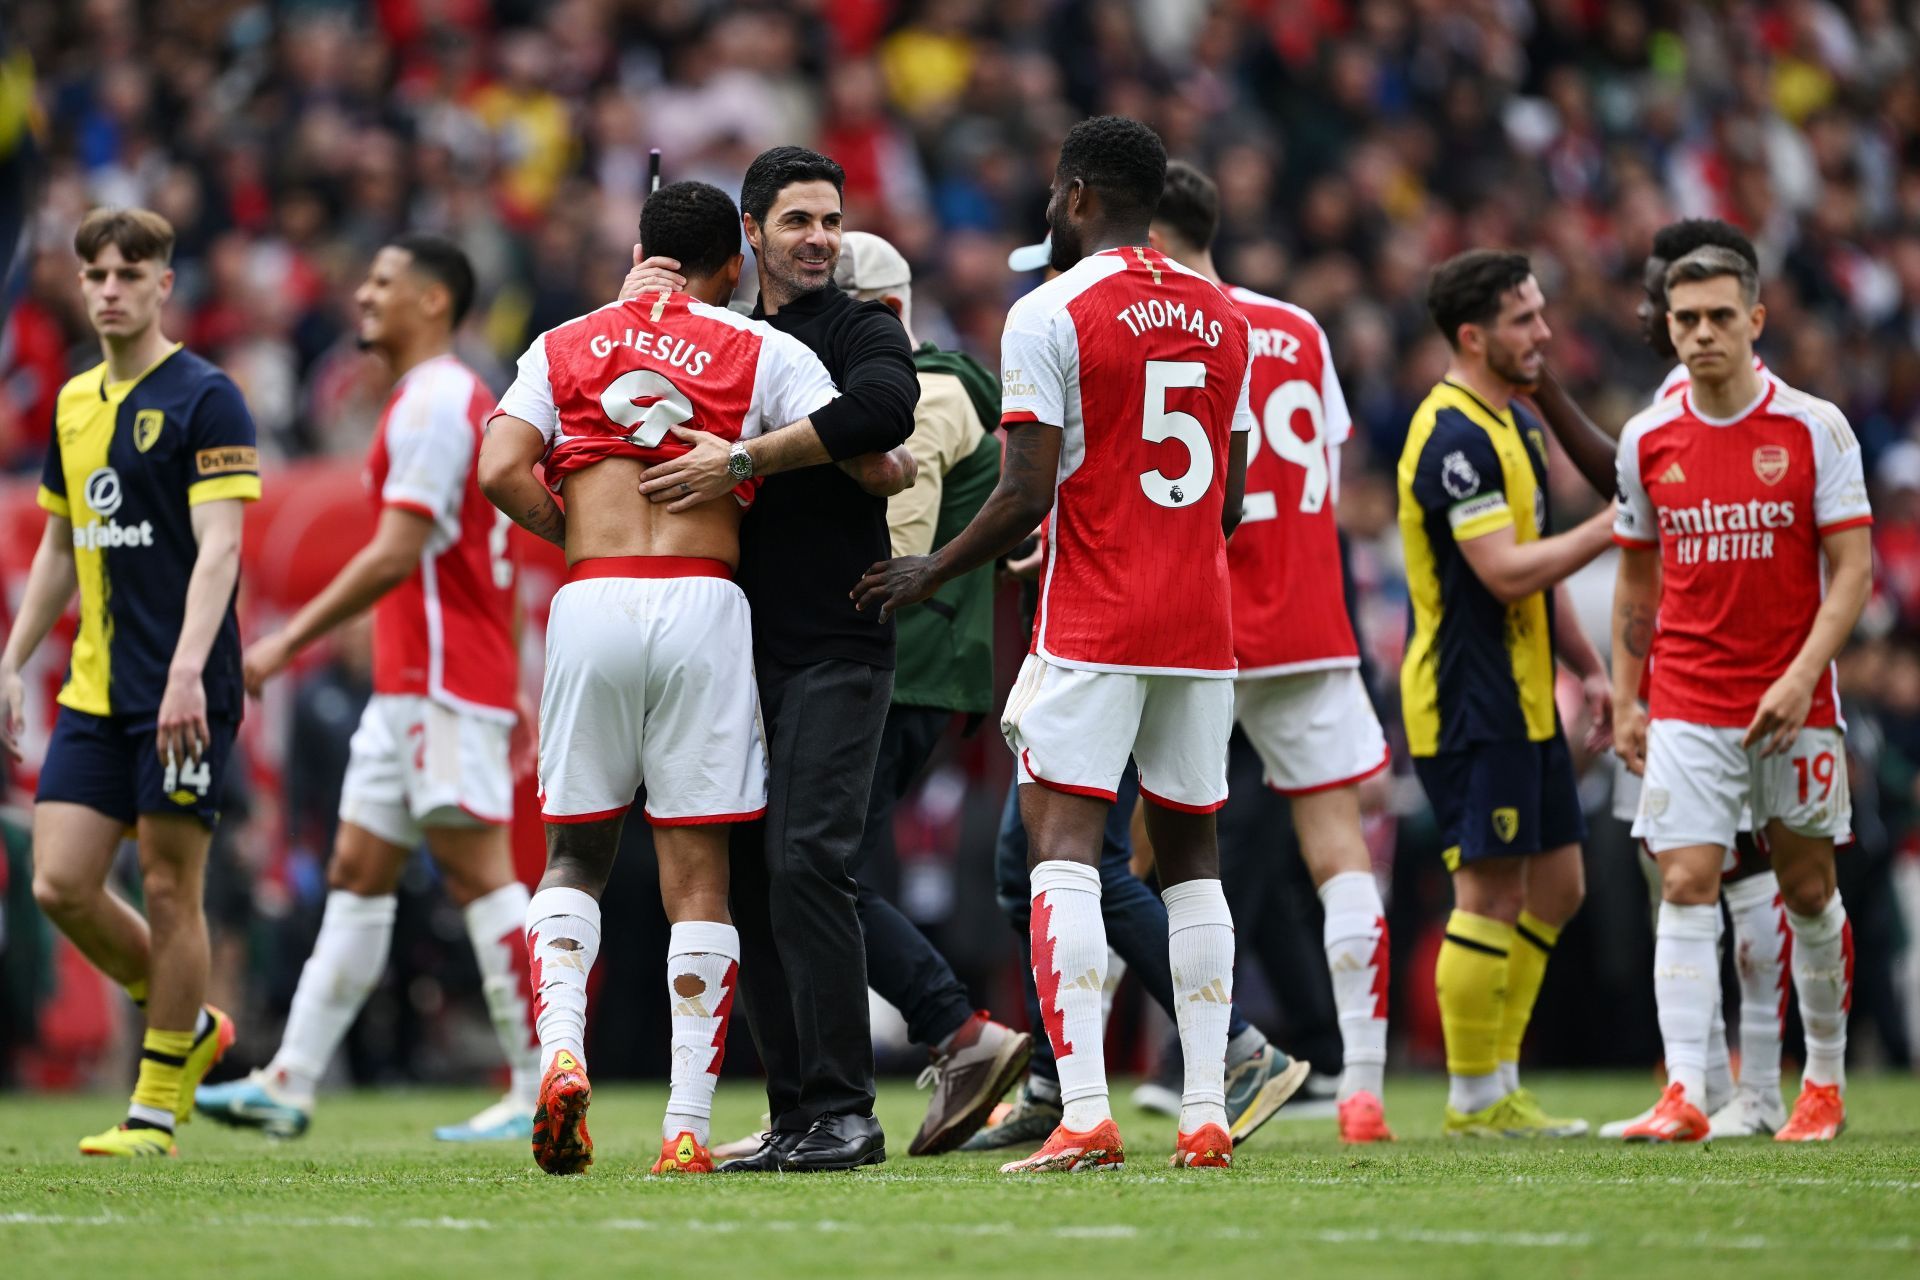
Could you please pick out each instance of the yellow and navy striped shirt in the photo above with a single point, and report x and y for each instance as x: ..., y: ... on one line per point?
x: 1476, y: 670
x: 127, y: 462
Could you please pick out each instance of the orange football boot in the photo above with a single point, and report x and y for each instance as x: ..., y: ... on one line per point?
x: 1363, y: 1119
x: 1818, y: 1115
x: 560, y: 1140
x: 1068, y: 1152
x: 1673, y: 1119
x: 683, y: 1154
x: 1208, y: 1147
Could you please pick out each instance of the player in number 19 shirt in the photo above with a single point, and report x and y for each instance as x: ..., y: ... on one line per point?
x: 1299, y: 698
x: 1742, y: 485
x: 1102, y: 368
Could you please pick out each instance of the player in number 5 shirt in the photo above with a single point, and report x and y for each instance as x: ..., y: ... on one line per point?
x: 1741, y: 485
x: 1124, y: 398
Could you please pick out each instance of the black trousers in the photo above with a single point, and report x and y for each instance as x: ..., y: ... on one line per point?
x: 803, y: 964
x: 902, y: 964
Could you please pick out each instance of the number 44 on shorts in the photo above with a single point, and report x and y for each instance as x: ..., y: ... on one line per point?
x: 194, y: 774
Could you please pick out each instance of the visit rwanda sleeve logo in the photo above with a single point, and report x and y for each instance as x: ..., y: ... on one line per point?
x: 146, y: 428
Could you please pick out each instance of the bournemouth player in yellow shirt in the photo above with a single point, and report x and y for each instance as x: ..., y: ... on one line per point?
x: 151, y: 461
x: 1489, y: 619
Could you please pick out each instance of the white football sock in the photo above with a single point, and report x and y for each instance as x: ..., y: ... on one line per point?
x: 1247, y: 1044
x: 563, y: 941
x: 1069, y: 941
x: 1200, y: 951
x: 1507, y: 1075
x: 1468, y: 1094
x: 348, y: 958
x: 1686, y: 975
x: 497, y: 928
x: 703, y: 965
x: 1719, y: 1088
x: 1823, y: 978
x: 1760, y: 947
x: 1356, y: 943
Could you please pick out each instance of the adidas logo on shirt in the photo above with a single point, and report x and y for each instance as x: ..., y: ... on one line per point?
x: 1672, y: 475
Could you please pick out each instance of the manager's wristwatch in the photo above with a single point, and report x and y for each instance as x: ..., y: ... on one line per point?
x: 739, y: 461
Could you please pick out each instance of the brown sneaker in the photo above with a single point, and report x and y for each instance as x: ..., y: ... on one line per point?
x: 981, y: 1064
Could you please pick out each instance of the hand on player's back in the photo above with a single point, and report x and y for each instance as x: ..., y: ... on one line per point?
x: 651, y: 273
x: 696, y: 476
x: 892, y: 585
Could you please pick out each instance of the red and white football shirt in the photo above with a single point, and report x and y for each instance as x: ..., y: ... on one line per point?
x: 446, y: 633
x: 1289, y: 610
x: 614, y: 382
x: 1737, y: 508
x: 1143, y: 364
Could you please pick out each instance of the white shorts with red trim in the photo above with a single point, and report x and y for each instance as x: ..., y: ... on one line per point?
x: 1703, y: 787
x: 414, y: 764
x: 1314, y: 730
x: 1072, y: 730
x: 650, y: 682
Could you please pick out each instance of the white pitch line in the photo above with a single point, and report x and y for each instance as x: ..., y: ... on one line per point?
x: 1568, y: 1240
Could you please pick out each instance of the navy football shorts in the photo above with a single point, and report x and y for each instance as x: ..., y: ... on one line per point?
x: 1504, y: 799
x: 108, y: 763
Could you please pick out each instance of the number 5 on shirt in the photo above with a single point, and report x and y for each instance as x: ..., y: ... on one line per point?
x: 1159, y: 423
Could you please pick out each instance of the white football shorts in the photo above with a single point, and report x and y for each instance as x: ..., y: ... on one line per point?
x: 1072, y: 730
x: 414, y: 764
x: 650, y: 682
x: 1314, y: 730
x: 1702, y: 786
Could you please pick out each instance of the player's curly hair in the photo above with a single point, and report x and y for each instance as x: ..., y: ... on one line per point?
x: 778, y: 168
x: 1189, y: 205
x: 1467, y: 288
x: 1678, y: 239
x: 694, y: 222
x: 1122, y: 159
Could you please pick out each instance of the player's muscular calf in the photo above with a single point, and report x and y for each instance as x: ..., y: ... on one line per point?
x: 1060, y: 826
x: 580, y: 855
x: 1185, y: 846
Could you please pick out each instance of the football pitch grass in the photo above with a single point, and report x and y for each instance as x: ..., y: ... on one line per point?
x: 368, y: 1193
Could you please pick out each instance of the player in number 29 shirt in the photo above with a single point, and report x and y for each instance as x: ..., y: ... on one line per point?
x: 1299, y: 698
x: 1124, y: 397
x: 1741, y: 485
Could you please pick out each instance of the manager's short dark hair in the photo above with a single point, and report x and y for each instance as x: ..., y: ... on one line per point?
x: 443, y: 262
x: 776, y: 169
x: 1122, y: 159
x: 1467, y: 288
x: 1189, y: 205
x: 694, y: 222
x: 1678, y: 239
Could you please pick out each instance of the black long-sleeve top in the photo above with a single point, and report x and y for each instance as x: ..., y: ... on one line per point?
x: 811, y: 533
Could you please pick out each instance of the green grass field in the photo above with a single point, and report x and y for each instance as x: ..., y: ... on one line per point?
x: 368, y: 1193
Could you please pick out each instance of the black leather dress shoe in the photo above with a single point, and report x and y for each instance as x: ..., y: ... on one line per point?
x: 836, y: 1143
x: 768, y: 1158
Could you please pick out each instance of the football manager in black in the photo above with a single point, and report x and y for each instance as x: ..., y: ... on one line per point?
x: 825, y: 670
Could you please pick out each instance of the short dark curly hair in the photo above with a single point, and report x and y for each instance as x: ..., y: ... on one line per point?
x: 1466, y: 288
x: 1189, y: 205
x: 444, y: 262
x: 1678, y: 239
x: 776, y: 169
x: 1122, y: 159
x: 694, y: 222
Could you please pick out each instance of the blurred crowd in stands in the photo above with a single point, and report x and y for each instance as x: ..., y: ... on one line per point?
x: 1355, y: 144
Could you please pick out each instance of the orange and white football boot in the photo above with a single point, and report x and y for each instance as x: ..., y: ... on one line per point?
x: 561, y: 1143
x: 1208, y: 1147
x: 1818, y: 1115
x: 1674, y: 1119
x: 1066, y: 1151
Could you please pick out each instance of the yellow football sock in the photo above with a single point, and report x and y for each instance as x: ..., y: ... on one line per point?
x: 163, y: 1054
x: 137, y: 992
x: 1471, y: 982
x: 1533, y: 942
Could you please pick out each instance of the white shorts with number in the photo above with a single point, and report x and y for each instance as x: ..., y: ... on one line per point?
x: 1072, y: 730
x: 1701, y: 785
x: 650, y: 682
x: 414, y: 764
x: 1314, y: 730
